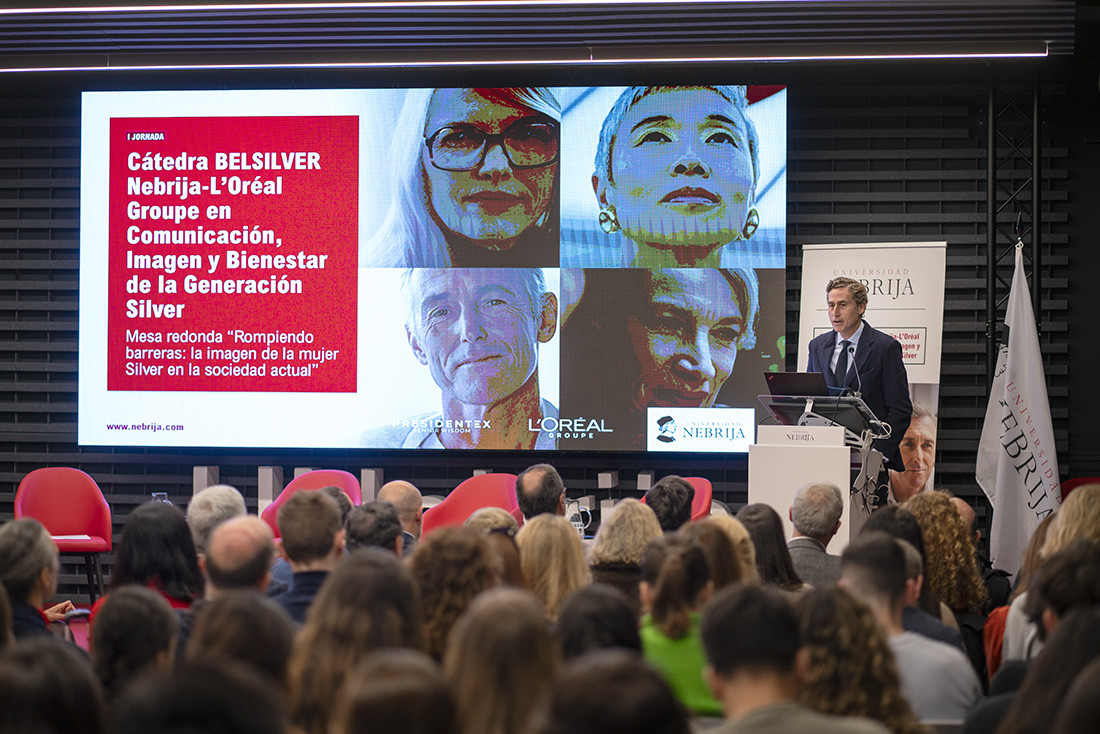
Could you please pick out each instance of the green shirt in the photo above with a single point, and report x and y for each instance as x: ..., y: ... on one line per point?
x: 681, y: 662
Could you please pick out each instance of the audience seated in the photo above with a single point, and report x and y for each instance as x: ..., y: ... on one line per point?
x: 500, y: 662
x: 28, y: 573
x: 936, y: 678
x: 48, y: 687
x: 1078, y: 517
x: 134, y: 634
x: 539, y: 490
x: 500, y: 528
x: 674, y: 587
x: 248, y: 628
x: 851, y: 670
x: 615, y: 557
x: 633, y: 697
x: 220, y: 698
x: 369, y: 602
x: 281, y: 573
x: 1081, y: 706
x: 209, y: 508
x: 670, y: 499
x: 395, y: 691
x: 313, y: 544
x: 451, y: 566
x: 374, y: 525
x: 773, y: 560
x: 815, y: 514
x: 552, y: 557
x: 997, y: 582
x: 722, y: 563
x: 755, y: 668
x: 7, y: 638
x: 596, y: 617
x: 742, y: 545
x: 156, y: 551
x: 916, y: 620
x: 409, y: 504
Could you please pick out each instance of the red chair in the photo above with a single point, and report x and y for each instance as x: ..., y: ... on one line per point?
x: 317, y: 479
x: 1071, y: 484
x: 483, y: 490
x: 71, y: 507
x: 700, y: 501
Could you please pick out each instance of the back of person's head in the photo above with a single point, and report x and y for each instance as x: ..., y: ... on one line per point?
x: 368, y: 603
x: 239, y: 554
x: 633, y: 697
x: 1070, y: 578
x: 1074, y: 644
x: 156, y: 549
x: 395, y: 691
x: 914, y: 564
x: 7, y: 636
x: 211, y: 507
x: 773, y: 559
x: 25, y: 550
x: 742, y: 545
x: 873, y: 568
x: 373, y: 525
x: 539, y: 490
x: 951, y: 569
x: 451, y: 566
x: 405, y: 497
x: 718, y: 549
x: 341, y: 499
x: 134, y: 633
x: 246, y: 627
x: 896, y: 521
x: 816, y: 509
x: 850, y: 669
x: 674, y: 569
x: 551, y: 554
x: 500, y: 661
x: 596, y: 617
x: 487, y: 519
x: 1078, y: 517
x: 1032, y: 560
x: 47, y: 687
x: 624, y: 534
x: 1080, y: 709
x: 308, y: 523
x: 670, y: 499
x: 748, y: 628
x: 212, y: 698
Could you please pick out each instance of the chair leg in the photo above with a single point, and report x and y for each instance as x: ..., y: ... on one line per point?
x: 90, y: 575
x: 99, y: 576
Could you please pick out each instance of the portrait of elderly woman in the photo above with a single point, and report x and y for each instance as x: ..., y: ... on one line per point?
x: 638, y: 339
x: 679, y: 180
x: 476, y: 181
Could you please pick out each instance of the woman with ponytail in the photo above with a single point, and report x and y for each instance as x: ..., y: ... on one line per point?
x: 675, y: 586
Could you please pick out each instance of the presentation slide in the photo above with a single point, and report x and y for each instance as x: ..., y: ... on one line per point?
x: 586, y: 268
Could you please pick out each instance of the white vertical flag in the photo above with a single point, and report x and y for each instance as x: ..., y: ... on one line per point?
x: 1017, y: 465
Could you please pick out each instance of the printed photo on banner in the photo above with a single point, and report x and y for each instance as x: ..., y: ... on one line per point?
x: 465, y: 177
x: 636, y: 339
x: 459, y: 358
x: 674, y: 177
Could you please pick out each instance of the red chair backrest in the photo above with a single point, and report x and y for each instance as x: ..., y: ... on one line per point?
x: 1071, y: 484
x: 316, y: 479
x: 66, y: 501
x: 483, y: 490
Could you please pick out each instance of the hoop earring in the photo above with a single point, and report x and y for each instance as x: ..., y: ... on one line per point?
x: 751, y: 224
x: 608, y: 222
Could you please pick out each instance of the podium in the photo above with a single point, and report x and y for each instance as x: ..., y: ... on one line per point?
x: 814, y: 438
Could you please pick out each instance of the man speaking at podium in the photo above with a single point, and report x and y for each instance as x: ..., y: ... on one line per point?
x: 864, y: 362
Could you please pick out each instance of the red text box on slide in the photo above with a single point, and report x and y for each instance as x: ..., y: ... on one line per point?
x: 233, y: 254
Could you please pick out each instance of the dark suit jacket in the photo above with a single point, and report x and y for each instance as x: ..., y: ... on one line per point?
x: 299, y: 596
x: 881, y: 380
x: 813, y: 564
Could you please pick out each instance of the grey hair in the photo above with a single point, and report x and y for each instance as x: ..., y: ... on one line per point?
x: 409, y: 235
x: 734, y: 94
x: 746, y: 291
x: 920, y: 410
x: 817, y: 508
x: 210, y: 508
x: 532, y: 280
x: 25, y: 549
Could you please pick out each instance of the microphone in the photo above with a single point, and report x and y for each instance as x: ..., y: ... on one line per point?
x: 855, y: 368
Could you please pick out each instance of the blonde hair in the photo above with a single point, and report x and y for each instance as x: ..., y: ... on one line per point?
x: 742, y: 545
x: 1078, y: 517
x: 623, y: 536
x: 552, y: 557
x: 851, y: 670
x: 501, y: 662
x: 488, y: 519
x: 951, y: 562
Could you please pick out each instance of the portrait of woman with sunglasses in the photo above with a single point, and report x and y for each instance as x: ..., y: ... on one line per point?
x: 476, y: 181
